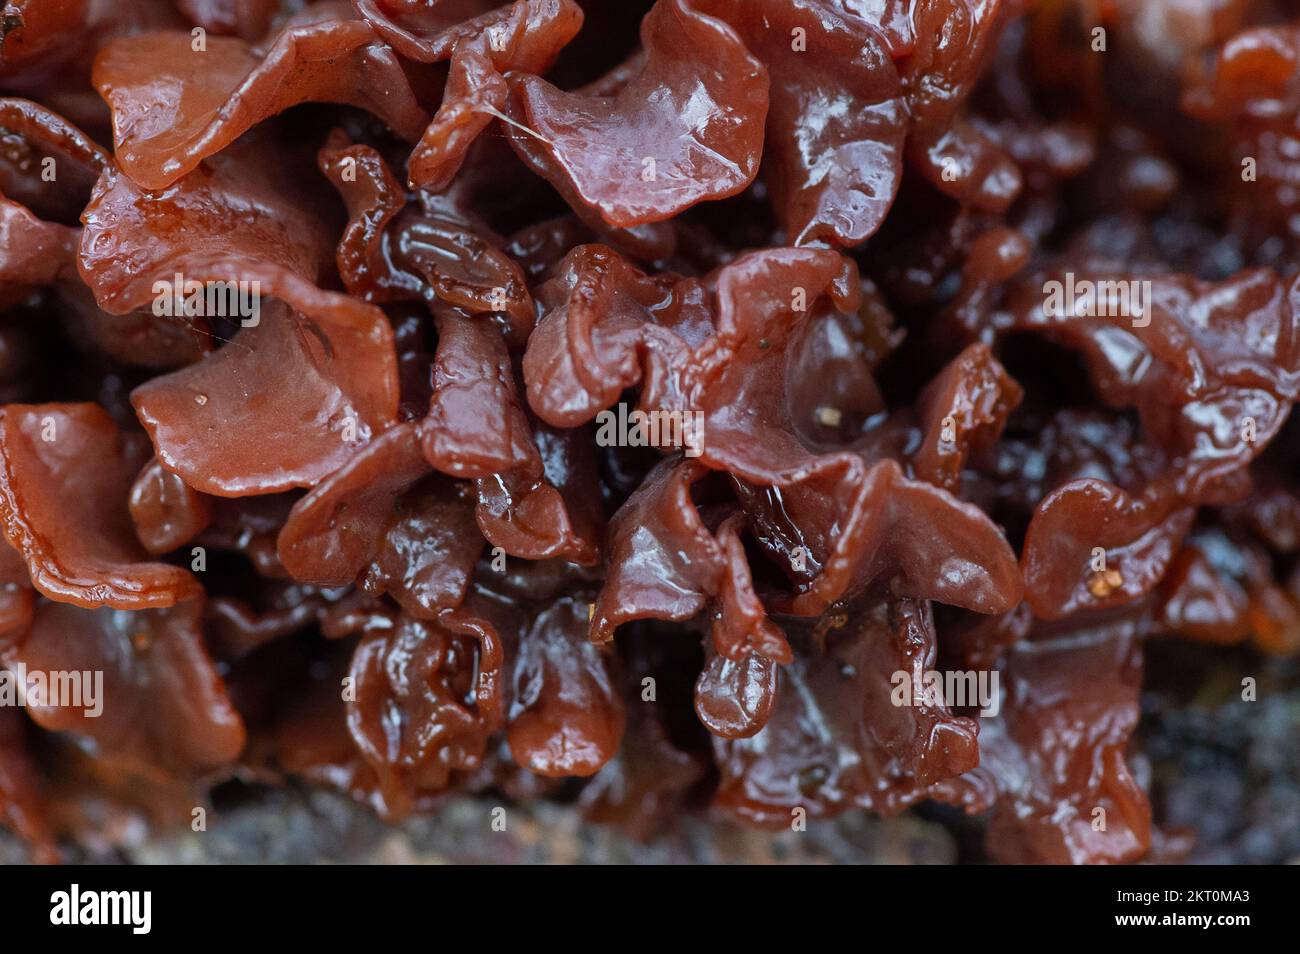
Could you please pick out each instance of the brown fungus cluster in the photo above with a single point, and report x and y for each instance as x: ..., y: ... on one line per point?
x: 623, y: 401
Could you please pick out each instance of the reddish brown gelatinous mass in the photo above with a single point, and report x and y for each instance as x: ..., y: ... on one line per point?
x: 669, y: 396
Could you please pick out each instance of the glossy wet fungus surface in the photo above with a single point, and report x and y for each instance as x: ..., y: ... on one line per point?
x: 728, y: 409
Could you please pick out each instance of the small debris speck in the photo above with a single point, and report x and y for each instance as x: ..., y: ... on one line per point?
x: 829, y: 416
x: 1104, y: 582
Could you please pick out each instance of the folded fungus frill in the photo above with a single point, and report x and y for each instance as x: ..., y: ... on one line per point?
x: 666, y: 403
